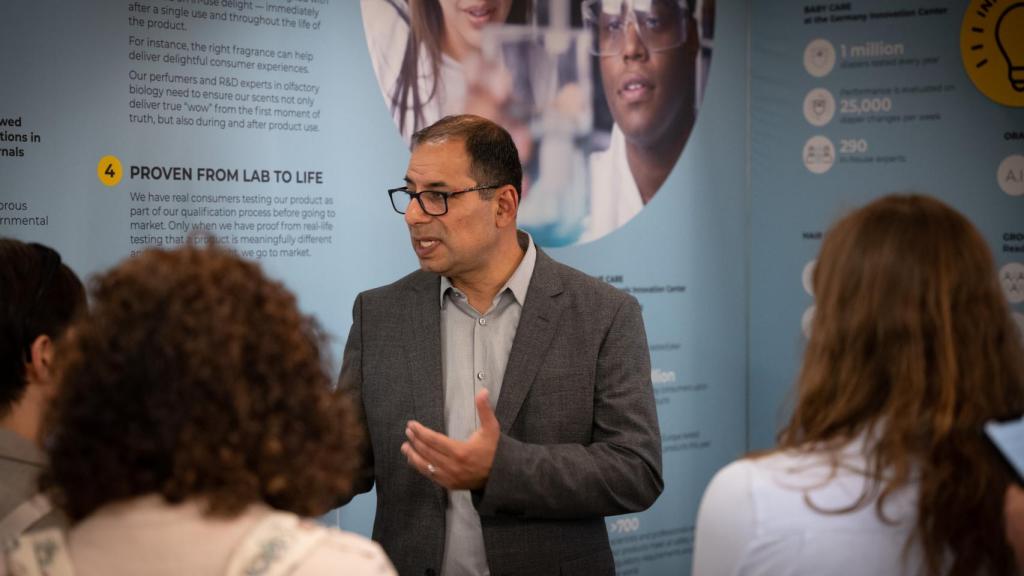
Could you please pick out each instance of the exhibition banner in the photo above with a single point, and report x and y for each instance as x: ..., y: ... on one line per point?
x: 853, y: 100
x: 275, y: 127
x: 694, y: 164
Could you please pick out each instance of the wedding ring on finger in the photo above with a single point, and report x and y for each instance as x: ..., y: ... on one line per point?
x: 431, y: 469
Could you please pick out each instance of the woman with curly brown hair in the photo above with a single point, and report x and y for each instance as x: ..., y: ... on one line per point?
x: 196, y: 423
x: 883, y: 467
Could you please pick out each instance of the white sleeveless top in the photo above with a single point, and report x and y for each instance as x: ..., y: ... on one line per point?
x: 757, y: 518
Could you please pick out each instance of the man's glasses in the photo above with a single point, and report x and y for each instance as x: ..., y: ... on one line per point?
x: 432, y: 202
x: 660, y: 24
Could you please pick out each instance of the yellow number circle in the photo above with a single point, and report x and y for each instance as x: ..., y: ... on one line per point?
x: 992, y: 49
x: 109, y: 170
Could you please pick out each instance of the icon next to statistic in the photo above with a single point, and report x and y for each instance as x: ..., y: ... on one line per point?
x: 992, y: 49
x: 819, y: 154
x: 1011, y: 277
x: 1011, y: 175
x: 807, y: 277
x: 807, y: 321
x: 819, y: 57
x: 819, y: 107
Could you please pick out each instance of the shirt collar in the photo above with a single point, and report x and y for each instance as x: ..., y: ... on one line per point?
x: 14, y: 447
x: 519, y: 282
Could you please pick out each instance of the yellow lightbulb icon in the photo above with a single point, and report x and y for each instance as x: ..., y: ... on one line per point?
x: 1010, y: 39
x: 992, y: 32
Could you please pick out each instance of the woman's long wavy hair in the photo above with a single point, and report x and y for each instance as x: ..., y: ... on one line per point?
x: 913, y: 341
x: 426, y: 35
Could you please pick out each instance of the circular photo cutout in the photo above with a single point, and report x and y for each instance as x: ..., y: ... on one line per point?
x: 600, y: 95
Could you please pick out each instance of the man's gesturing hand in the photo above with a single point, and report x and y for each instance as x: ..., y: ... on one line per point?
x: 450, y: 463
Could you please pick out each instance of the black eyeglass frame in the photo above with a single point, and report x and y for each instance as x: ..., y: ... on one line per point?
x: 444, y: 196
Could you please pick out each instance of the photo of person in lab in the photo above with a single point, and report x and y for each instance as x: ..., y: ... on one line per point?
x: 600, y: 96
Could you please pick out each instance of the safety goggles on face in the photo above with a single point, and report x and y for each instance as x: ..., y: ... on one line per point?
x: 660, y: 24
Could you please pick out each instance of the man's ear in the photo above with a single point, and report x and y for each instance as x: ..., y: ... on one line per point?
x: 38, y: 367
x: 508, y: 205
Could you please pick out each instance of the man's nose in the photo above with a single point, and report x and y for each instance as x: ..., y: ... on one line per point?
x: 414, y: 213
x: 633, y: 47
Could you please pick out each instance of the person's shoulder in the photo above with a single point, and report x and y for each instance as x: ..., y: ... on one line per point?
x: 412, y: 282
x: 749, y: 482
x: 358, y: 555
x: 779, y: 469
x: 726, y: 521
x: 735, y: 477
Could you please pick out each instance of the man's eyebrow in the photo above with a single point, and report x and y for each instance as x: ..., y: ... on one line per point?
x: 431, y: 185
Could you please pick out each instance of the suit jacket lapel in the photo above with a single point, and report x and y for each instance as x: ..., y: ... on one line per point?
x: 423, y: 352
x: 533, y: 337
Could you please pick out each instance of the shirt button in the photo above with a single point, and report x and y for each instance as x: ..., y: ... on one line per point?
x: 482, y: 321
x: 481, y: 375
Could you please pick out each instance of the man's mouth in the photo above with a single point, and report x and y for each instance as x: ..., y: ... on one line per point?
x: 424, y: 246
x: 635, y: 89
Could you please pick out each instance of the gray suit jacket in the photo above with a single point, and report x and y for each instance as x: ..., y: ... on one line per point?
x: 579, y: 441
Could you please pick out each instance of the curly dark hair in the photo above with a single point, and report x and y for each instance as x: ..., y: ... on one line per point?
x: 39, y: 295
x: 195, y: 376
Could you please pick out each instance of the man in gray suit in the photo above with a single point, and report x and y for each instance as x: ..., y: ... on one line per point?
x: 506, y: 397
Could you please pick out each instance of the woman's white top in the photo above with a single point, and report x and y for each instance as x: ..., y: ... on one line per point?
x: 768, y: 516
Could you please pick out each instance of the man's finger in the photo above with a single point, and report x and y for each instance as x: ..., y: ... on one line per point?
x: 421, y: 464
x: 483, y: 409
x: 425, y: 450
x: 439, y: 442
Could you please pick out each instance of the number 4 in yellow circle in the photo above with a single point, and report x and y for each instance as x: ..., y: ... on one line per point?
x: 109, y: 170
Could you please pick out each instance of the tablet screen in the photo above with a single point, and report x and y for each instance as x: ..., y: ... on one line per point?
x: 1009, y: 439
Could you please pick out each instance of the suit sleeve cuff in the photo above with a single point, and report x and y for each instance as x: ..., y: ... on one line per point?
x: 489, y: 500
